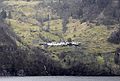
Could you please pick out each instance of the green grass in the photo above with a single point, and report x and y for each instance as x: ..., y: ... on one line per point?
x: 55, y: 25
x: 100, y: 60
x: 28, y: 32
x: 59, y: 49
x: 94, y: 38
x: 21, y: 3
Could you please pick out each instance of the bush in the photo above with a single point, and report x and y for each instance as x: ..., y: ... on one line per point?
x: 115, y: 37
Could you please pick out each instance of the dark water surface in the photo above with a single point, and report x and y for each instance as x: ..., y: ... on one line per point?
x: 53, y: 78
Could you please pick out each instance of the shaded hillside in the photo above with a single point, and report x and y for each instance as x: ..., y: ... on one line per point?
x: 101, y: 11
x: 6, y: 36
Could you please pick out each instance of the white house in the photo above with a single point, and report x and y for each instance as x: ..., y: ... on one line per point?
x: 61, y: 44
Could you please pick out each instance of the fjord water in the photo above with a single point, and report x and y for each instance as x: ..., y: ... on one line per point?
x: 58, y: 78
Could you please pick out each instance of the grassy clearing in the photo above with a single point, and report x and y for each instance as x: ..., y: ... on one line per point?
x: 21, y: 3
x: 55, y: 25
x: 24, y: 30
x: 94, y: 38
x: 28, y: 32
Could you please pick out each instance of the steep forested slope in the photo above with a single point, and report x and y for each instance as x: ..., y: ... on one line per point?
x: 6, y: 36
x: 90, y: 22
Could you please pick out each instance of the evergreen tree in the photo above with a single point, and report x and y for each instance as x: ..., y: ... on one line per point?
x: 9, y: 15
x: 3, y: 14
x: 48, y: 28
x: 69, y: 40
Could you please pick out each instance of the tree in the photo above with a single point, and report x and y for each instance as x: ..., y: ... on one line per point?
x: 115, y: 37
x: 3, y: 14
x: 64, y: 23
x: 69, y: 40
x: 48, y: 23
x: 117, y: 56
x: 9, y: 15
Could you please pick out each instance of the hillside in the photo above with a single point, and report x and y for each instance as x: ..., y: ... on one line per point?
x: 6, y: 35
x: 90, y: 22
